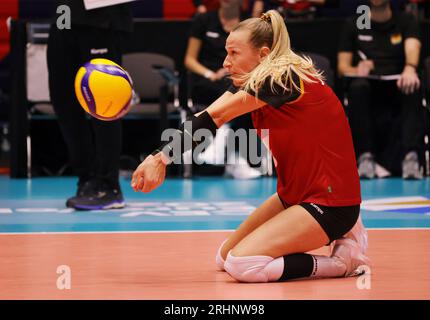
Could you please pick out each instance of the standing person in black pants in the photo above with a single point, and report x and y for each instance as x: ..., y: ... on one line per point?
x: 94, y: 146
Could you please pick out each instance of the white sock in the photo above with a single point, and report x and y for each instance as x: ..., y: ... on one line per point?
x: 327, y: 267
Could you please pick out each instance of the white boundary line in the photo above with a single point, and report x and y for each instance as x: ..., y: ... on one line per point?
x: 171, y: 231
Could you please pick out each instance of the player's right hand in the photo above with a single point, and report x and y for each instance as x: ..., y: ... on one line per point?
x: 150, y: 174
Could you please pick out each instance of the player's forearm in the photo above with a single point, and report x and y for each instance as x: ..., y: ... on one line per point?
x: 230, y: 106
x: 184, y: 139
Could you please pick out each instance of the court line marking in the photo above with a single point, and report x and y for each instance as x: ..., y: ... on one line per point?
x: 171, y: 231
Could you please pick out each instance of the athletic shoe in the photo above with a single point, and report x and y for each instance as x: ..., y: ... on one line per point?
x: 240, y: 169
x: 366, y: 166
x: 349, y: 253
x: 411, y: 167
x: 103, y: 199
x: 381, y: 172
x: 84, y: 190
x: 215, y: 152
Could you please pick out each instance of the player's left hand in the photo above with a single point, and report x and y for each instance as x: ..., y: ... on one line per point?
x: 409, y: 81
x: 150, y: 174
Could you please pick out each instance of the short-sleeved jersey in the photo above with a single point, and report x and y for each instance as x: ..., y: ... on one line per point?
x: 383, y: 42
x: 310, y: 140
x: 207, y: 27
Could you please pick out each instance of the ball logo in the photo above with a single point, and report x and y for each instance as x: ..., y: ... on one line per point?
x: 87, y: 96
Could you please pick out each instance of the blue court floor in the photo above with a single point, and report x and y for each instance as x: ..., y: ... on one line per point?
x: 38, y: 205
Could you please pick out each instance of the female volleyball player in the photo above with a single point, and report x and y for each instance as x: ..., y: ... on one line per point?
x: 318, y: 193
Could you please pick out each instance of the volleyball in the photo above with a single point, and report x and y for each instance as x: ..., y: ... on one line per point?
x: 103, y: 89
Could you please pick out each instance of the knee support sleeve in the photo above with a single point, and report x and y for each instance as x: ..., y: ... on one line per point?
x: 219, y: 261
x: 254, y: 268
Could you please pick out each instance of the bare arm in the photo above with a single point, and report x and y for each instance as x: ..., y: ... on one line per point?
x: 192, y: 63
x: 230, y: 106
x: 150, y: 174
x: 258, y: 8
x: 409, y: 80
x: 222, y: 99
x: 191, y: 57
x: 412, y: 51
x: 344, y: 63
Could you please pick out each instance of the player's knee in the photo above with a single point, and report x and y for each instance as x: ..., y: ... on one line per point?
x: 249, y: 268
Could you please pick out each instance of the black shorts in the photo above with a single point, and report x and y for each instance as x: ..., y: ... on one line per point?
x: 335, y: 221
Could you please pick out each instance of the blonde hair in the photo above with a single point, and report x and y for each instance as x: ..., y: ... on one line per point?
x: 281, y: 63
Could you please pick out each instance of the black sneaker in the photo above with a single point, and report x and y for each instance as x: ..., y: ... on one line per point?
x: 84, y: 190
x: 102, y: 199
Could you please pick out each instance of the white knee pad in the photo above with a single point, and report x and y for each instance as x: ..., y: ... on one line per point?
x: 218, y: 259
x: 254, y: 268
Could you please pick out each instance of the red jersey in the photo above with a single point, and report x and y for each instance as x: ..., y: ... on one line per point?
x: 311, y: 143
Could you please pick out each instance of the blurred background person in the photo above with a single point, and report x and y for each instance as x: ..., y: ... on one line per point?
x: 381, y: 111
x: 94, y: 146
x: 209, y: 79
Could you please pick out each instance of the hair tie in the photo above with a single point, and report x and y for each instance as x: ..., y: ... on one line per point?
x: 266, y: 17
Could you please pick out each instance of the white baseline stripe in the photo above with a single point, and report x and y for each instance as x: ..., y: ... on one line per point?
x: 387, y: 207
x: 394, y: 199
